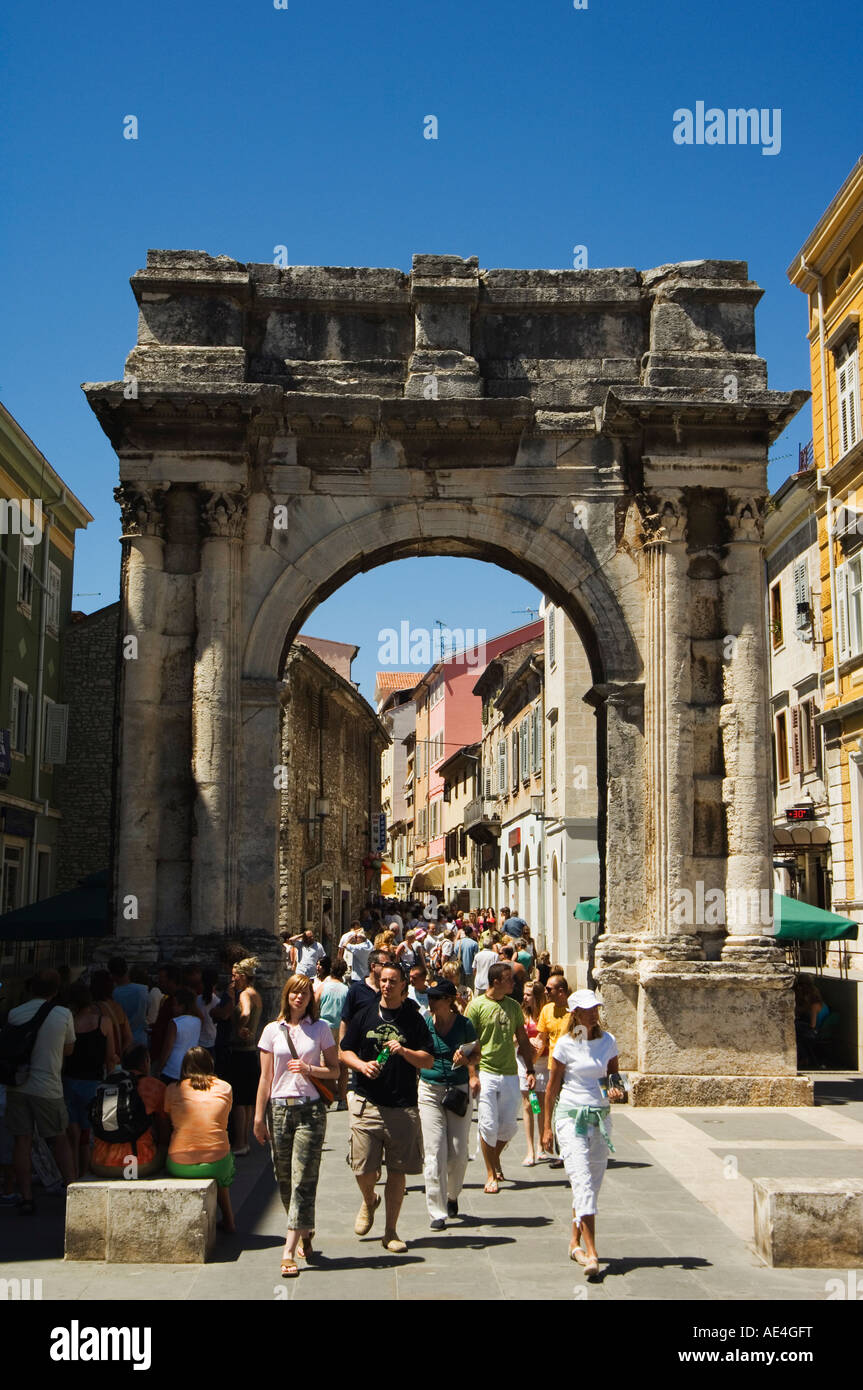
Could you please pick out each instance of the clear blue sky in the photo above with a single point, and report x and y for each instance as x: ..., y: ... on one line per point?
x: 304, y: 127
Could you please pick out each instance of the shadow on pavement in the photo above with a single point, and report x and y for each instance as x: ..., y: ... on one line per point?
x: 228, y: 1249
x: 630, y: 1265
x: 365, y: 1262
x: 457, y: 1242
x: 493, y: 1220
x: 838, y: 1090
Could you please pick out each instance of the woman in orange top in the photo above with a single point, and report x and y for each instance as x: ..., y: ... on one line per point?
x: 199, y: 1106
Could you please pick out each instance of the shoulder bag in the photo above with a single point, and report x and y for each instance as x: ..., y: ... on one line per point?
x: 454, y: 1098
x: 323, y: 1091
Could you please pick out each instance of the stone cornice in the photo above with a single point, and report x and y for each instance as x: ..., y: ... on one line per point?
x: 225, y: 407
x: 630, y: 408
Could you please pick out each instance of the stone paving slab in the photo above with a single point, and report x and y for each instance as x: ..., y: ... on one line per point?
x: 797, y: 1163
x: 728, y: 1128
x: 657, y: 1239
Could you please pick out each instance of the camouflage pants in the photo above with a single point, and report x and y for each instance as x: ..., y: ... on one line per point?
x: 298, y: 1141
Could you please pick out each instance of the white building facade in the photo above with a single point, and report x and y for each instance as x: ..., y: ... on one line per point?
x: 569, y: 827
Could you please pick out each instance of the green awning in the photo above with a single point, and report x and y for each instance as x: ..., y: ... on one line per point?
x: 81, y: 912
x: 799, y: 921
x: 588, y: 911
x: 794, y: 920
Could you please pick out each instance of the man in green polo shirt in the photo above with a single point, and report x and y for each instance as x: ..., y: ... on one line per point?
x: 499, y: 1024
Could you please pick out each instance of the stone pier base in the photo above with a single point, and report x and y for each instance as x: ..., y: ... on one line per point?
x: 696, y: 1032
x: 658, y: 1088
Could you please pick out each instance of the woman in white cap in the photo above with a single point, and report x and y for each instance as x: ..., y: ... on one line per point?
x: 582, y: 1057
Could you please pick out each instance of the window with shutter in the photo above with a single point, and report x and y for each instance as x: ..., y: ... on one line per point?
x: 848, y: 399
x: 501, y: 768
x: 782, y: 747
x: 25, y: 574
x: 552, y: 757
x: 808, y: 736
x: 18, y: 731
x: 52, y: 614
x: 487, y: 780
x: 524, y: 749
x: 513, y: 753
x: 854, y: 606
x: 776, y: 615
x: 840, y: 633
x: 796, y: 760
x: 550, y: 640
x: 803, y: 615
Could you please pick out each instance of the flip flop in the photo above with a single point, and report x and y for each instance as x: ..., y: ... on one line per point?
x: 578, y: 1255
x: 304, y: 1248
x: 528, y: 1163
x: 491, y: 1187
x: 290, y: 1269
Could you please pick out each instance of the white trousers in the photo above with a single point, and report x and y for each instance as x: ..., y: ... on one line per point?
x: 499, y: 1108
x: 585, y: 1158
x: 446, y: 1137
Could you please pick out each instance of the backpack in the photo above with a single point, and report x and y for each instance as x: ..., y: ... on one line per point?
x: 16, y: 1045
x: 117, y: 1113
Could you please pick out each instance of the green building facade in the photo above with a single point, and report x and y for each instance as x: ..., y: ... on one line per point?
x: 39, y: 517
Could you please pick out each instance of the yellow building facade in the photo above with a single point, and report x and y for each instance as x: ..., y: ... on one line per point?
x: 828, y: 269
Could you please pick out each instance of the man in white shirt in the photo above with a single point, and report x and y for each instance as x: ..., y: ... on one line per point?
x: 307, y: 953
x: 482, y: 962
x: 355, y: 948
x: 418, y: 990
x: 37, y: 1103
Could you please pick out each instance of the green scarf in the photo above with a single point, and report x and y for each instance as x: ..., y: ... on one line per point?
x: 587, y: 1115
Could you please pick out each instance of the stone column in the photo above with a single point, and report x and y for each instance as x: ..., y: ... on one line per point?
x: 259, y: 803
x: 715, y: 1032
x: 746, y: 789
x: 668, y: 730
x: 621, y: 825
x: 140, y: 747
x: 216, y: 711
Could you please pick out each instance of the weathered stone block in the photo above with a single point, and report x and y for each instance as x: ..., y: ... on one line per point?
x: 709, y: 1018
x: 676, y: 1090
x: 809, y: 1222
x: 158, y: 1221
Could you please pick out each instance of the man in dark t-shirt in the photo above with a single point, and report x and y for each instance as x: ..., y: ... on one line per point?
x: 385, y: 1125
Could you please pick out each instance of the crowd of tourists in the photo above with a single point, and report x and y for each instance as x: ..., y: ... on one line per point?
x: 409, y: 1023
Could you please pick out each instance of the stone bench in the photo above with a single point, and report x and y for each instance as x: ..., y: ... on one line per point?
x: 147, y: 1221
x: 807, y: 1223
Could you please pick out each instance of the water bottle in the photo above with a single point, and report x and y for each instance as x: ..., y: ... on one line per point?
x: 534, y: 1101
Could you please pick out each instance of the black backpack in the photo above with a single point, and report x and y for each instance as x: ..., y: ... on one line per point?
x: 117, y: 1113
x: 16, y: 1044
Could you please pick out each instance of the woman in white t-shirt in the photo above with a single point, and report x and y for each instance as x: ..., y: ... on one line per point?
x: 583, y: 1057
x: 297, y: 1051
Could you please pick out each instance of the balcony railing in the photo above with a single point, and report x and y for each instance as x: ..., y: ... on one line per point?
x: 480, y: 814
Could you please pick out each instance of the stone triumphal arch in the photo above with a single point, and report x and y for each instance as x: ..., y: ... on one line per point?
x: 604, y: 433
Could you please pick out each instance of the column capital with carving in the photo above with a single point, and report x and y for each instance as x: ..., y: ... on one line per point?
x: 223, y: 512
x: 142, y: 508
x: 745, y: 516
x: 663, y: 517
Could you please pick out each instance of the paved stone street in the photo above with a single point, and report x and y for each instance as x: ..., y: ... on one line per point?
x: 675, y: 1222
